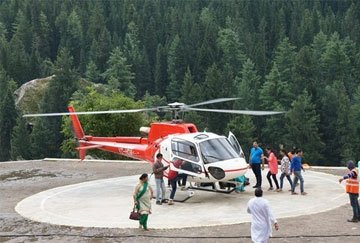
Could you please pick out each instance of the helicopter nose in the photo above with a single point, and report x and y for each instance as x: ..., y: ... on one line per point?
x: 216, y: 172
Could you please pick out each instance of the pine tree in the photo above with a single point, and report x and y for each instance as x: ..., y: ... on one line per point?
x: 92, y: 73
x: 303, y: 128
x: 46, y: 136
x: 18, y: 67
x: 355, y: 125
x: 8, y: 116
x: 190, y: 90
x: 212, y: 90
x: 247, y: 85
x: 230, y: 46
x: 335, y: 119
x: 335, y: 61
x: 74, y: 38
x: 175, y: 69
x: 20, y: 141
x: 119, y: 75
x: 161, y: 78
x: 23, y: 30
x: 4, y: 48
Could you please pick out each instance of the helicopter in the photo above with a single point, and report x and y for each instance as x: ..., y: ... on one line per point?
x: 208, y: 158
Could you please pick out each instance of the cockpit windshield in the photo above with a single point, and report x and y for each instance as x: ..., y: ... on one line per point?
x: 217, y: 149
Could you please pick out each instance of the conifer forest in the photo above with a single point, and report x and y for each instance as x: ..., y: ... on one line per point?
x: 297, y: 56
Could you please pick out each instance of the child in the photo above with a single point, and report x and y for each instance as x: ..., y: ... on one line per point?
x: 242, y: 180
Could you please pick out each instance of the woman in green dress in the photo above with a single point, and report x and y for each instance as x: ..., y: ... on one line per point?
x: 142, y: 199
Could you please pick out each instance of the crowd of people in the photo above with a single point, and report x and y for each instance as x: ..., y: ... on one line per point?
x: 291, y: 167
x: 290, y: 163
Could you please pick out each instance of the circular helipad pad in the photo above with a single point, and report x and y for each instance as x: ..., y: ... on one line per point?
x: 107, y: 203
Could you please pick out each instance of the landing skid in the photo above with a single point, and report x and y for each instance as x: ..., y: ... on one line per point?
x: 231, y: 186
x: 190, y: 195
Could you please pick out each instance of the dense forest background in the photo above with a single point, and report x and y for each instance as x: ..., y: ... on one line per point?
x: 302, y: 57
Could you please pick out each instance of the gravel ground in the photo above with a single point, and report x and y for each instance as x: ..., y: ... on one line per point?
x: 20, y: 180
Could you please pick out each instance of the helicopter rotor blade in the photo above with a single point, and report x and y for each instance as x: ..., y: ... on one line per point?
x: 213, y: 101
x: 90, y: 112
x: 240, y: 112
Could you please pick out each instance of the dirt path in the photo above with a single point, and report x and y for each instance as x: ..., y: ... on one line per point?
x: 20, y: 180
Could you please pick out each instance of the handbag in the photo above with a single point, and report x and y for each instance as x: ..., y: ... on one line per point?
x: 134, y: 215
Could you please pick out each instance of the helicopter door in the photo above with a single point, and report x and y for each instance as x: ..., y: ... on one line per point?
x: 185, y: 158
x: 236, y: 145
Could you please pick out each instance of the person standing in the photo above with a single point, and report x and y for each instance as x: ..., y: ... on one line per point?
x: 262, y: 218
x: 273, y: 169
x: 173, y: 177
x: 158, y: 170
x: 257, y: 163
x: 352, y: 188
x: 296, y: 167
x: 142, y: 200
x: 285, y: 169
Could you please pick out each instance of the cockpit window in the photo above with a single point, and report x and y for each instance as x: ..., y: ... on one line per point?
x: 217, y: 149
x: 184, y: 149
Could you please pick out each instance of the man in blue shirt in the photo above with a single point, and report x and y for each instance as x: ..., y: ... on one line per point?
x: 256, y: 160
x: 296, y: 167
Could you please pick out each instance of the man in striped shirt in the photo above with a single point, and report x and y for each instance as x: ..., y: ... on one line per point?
x: 352, y: 188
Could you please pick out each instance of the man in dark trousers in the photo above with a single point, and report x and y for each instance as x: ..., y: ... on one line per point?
x: 352, y: 188
x: 257, y: 163
x: 158, y: 170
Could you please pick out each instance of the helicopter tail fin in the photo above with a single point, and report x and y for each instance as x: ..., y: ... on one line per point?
x: 79, y: 132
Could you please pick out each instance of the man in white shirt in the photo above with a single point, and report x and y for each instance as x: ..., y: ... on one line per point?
x: 262, y: 218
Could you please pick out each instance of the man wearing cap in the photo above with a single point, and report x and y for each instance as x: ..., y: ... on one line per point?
x: 352, y: 188
x: 262, y: 218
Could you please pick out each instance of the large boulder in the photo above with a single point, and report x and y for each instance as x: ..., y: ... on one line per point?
x: 30, y: 94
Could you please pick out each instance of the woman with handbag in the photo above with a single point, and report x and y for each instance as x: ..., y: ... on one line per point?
x: 142, y: 200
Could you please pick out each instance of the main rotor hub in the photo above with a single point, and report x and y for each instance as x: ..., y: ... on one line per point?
x: 175, y: 109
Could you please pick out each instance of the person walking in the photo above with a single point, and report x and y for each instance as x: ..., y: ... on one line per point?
x: 173, y: 177
x: 142, y: 200
x: 158, y: 170
x: 273, y: 169
x: 292, y: 153
x: 285, y: 169
x: 296, y: 167
x: 352, y: 188
x: 262, y: 218
x: 257, y: 163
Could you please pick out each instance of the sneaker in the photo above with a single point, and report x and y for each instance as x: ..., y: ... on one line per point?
x: 183, y: 188
x: 278, y: 190
x: 270, y: 189
x: 352, y: 220
x: 294, y: 193
x: 171, y: 202
x: 158, y: 203
x: 304, y: 193
x: 164, y: 201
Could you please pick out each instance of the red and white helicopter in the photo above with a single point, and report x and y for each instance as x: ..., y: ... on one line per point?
x: 208, y: 157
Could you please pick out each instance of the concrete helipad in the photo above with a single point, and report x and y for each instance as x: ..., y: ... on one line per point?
x: 107, y: 203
